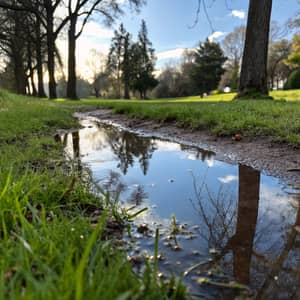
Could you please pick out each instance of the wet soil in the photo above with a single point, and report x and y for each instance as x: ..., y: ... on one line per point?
x: 272, y: 158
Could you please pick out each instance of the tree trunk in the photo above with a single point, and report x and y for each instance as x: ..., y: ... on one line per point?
x: 17, y: 49
x: 242, y: 244
x: 30, y: 68
x: 20, y: 77
x: 71, y: 85
x: 126, y: 90
x: 97, y: 94
x: 253, y: 81
x: 39, y: 60
x: 51, y: 52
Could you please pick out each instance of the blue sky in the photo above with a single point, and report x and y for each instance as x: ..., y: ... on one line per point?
x: 169, y: 24
x: 170, y: 21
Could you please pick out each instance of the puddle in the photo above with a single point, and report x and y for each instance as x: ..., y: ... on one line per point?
x: 219, y: 222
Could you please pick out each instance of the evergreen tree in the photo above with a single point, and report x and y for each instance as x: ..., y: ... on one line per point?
x: 143, y: 61
x: 115, y: 57
x: 126, y: 65
x: 120, y: 62
x: 208, y: 66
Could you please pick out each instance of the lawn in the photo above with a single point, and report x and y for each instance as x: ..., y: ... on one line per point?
x: 50, y: 247
x: 290, y: 95
x: 276, y: 120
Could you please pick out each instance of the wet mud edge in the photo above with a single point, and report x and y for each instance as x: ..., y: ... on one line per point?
x: 275, y: 159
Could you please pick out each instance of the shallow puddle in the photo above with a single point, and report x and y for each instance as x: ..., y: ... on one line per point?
x: 218, y: 222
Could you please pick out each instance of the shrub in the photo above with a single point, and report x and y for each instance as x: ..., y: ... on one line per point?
x: 293, y: 81
x: 215, y: 92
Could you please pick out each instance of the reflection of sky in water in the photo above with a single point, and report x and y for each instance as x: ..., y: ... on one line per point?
x: 184, y: 167
x: 172, y: 172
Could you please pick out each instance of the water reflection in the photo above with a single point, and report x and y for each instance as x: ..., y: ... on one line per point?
x: 247, y: 213
x: 197, y: 153
x: 246, y: 217
x: 283, y: 279
x: 275, y: 273
x: 127, y: 146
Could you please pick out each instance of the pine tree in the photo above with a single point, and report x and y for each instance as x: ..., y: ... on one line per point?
x: 126, y: 65
x: 143, y: 61
x: 208, y: 66
x: 119, y: 60
x: 115, y: 57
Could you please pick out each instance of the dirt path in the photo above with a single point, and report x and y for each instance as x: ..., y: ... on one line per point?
x: 279, y: 160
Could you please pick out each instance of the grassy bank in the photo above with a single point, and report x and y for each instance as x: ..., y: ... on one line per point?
x: 53, y: 230
x: 55, y: 242
x: 275, y: 120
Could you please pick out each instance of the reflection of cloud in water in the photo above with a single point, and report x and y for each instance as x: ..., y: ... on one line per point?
x: 228, y: 179
x: 273, y: 203
x: 167, y: 146
x: 92, y: 139
x: 277, y: 212
x: 210, y: 162
x: 198, y: 155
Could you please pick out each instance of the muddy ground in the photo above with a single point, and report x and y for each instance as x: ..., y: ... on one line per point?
x: 272, y: 158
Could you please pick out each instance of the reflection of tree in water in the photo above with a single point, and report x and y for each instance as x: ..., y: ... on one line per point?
x: 128, y: 146
x: 115, y: 186
x: 138, y: 195
x: 271, y: 276
x: 242, y: 242
x: 76, y: 143
x: 283, y: 279
x: 217, y: 213
x: 199, y: 153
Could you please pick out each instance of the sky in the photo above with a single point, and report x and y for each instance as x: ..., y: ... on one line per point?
x: 170, y: 26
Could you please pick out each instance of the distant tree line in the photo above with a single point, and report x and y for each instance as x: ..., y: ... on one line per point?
x: 212, y: 67
x: 30, y: 29
x: 28, y: 33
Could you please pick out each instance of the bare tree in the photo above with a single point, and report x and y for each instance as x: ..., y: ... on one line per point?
x: 84, y: 9
x: 233, y: 45
x: 44, y: 11
x: 278, y: 52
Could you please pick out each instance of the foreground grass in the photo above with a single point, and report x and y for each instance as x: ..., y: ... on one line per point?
x: 51, y: 247
x: 272, y: 119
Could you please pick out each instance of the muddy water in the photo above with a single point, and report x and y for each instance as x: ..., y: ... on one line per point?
x: 218, y: 222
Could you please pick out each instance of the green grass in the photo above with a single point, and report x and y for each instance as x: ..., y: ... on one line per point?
x: 50, y: 249
x: 273, y: 119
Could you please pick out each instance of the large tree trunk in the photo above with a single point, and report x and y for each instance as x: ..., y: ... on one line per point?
x: 17, y: 54
x: 19, y: 74
x: 253, y: 79
x: 39, y: 60
x: 242, y: 243
x: 71, y: 85
x: 51, y: 52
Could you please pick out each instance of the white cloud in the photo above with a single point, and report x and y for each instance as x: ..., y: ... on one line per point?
x: 228, y: 179
x: 215, y: 35
x: 174, y: 53
x: 238, y: 14
x: 96, y: 30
